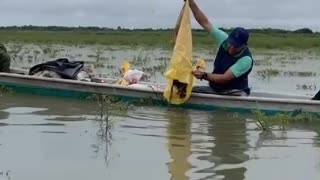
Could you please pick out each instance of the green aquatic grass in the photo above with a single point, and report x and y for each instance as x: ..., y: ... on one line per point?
x: 5, y: 89
x: 282, y: 120
x: 162, y: 39
x: 109, y: 107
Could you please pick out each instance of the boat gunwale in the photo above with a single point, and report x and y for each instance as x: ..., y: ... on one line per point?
x: 152, y: 90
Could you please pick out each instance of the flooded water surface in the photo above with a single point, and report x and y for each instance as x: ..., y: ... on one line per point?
x: 52, y: 138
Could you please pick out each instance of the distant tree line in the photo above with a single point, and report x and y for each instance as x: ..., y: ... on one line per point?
x: 121, y: 29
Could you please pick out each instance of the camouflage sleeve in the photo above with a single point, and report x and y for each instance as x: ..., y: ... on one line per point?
x: 4, y: 62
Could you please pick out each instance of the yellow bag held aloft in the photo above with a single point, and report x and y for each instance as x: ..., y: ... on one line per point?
x: 179, y: 73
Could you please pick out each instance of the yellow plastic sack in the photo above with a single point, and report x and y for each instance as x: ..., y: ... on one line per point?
x: 125, y: 68
x: 179, y: 73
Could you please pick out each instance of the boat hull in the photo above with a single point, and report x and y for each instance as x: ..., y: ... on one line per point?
x: 150, y: 95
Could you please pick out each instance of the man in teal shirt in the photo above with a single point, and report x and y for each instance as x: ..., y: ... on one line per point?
x: 243, y: 64
x: 233, y: 62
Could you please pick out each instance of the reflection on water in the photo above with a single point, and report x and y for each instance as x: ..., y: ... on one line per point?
x: 179, y: 143
x: 51, y: 138
x: 230, y: 145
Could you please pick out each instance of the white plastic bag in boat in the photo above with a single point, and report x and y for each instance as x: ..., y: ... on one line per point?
x: 133, y: 76
x: 152, y: 87
x: 140, y: 86
x: 83, y: 76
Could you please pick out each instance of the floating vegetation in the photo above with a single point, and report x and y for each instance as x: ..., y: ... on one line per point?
x: 109, y: 107
x: 263, y: 61
x: 296, y: 57
x: 111, y: 49
x: 163, y: 58
x: 141, y: 59
x: 161, y: 67
x: 15, y: 50
x: 148, y: 69
x: 150, y: 101
x: 78, y: 55
x: 284, y: 62
x: 267, y: 73
x: 91, y: 56
x: 105, y: 59
x: 30, y: 58
x: 280, y: 58
x: 282, y: 120
x: 98, y: 55
x: 5, y: 89
x: 99, y: 65
x: 312, y: 87
x: 157, y: 68
x: 300, y: 74
x: 49, y: 51
x: 111, y: 66
x: 20, y: 57
x: 36, y: 53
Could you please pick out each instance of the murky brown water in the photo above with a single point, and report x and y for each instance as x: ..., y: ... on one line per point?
x: 51, y: 138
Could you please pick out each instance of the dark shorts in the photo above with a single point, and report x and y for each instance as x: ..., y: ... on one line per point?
x: 209, y: 90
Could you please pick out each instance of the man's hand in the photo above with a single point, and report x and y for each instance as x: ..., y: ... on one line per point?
x: 198, y: 74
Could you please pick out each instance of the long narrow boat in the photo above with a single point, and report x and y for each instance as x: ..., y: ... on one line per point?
x: 145, y: 92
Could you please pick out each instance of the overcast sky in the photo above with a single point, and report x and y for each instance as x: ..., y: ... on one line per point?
x: 287, y: 14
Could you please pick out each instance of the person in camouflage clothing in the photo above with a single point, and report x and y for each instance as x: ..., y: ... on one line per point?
x: 4, y: 59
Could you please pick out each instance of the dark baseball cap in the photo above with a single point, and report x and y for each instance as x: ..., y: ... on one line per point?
x: 238, y: 37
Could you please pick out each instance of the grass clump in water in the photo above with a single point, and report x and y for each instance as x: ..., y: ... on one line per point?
x: 282, y: 120
x: 5, y: 89
x: 108, y: 106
